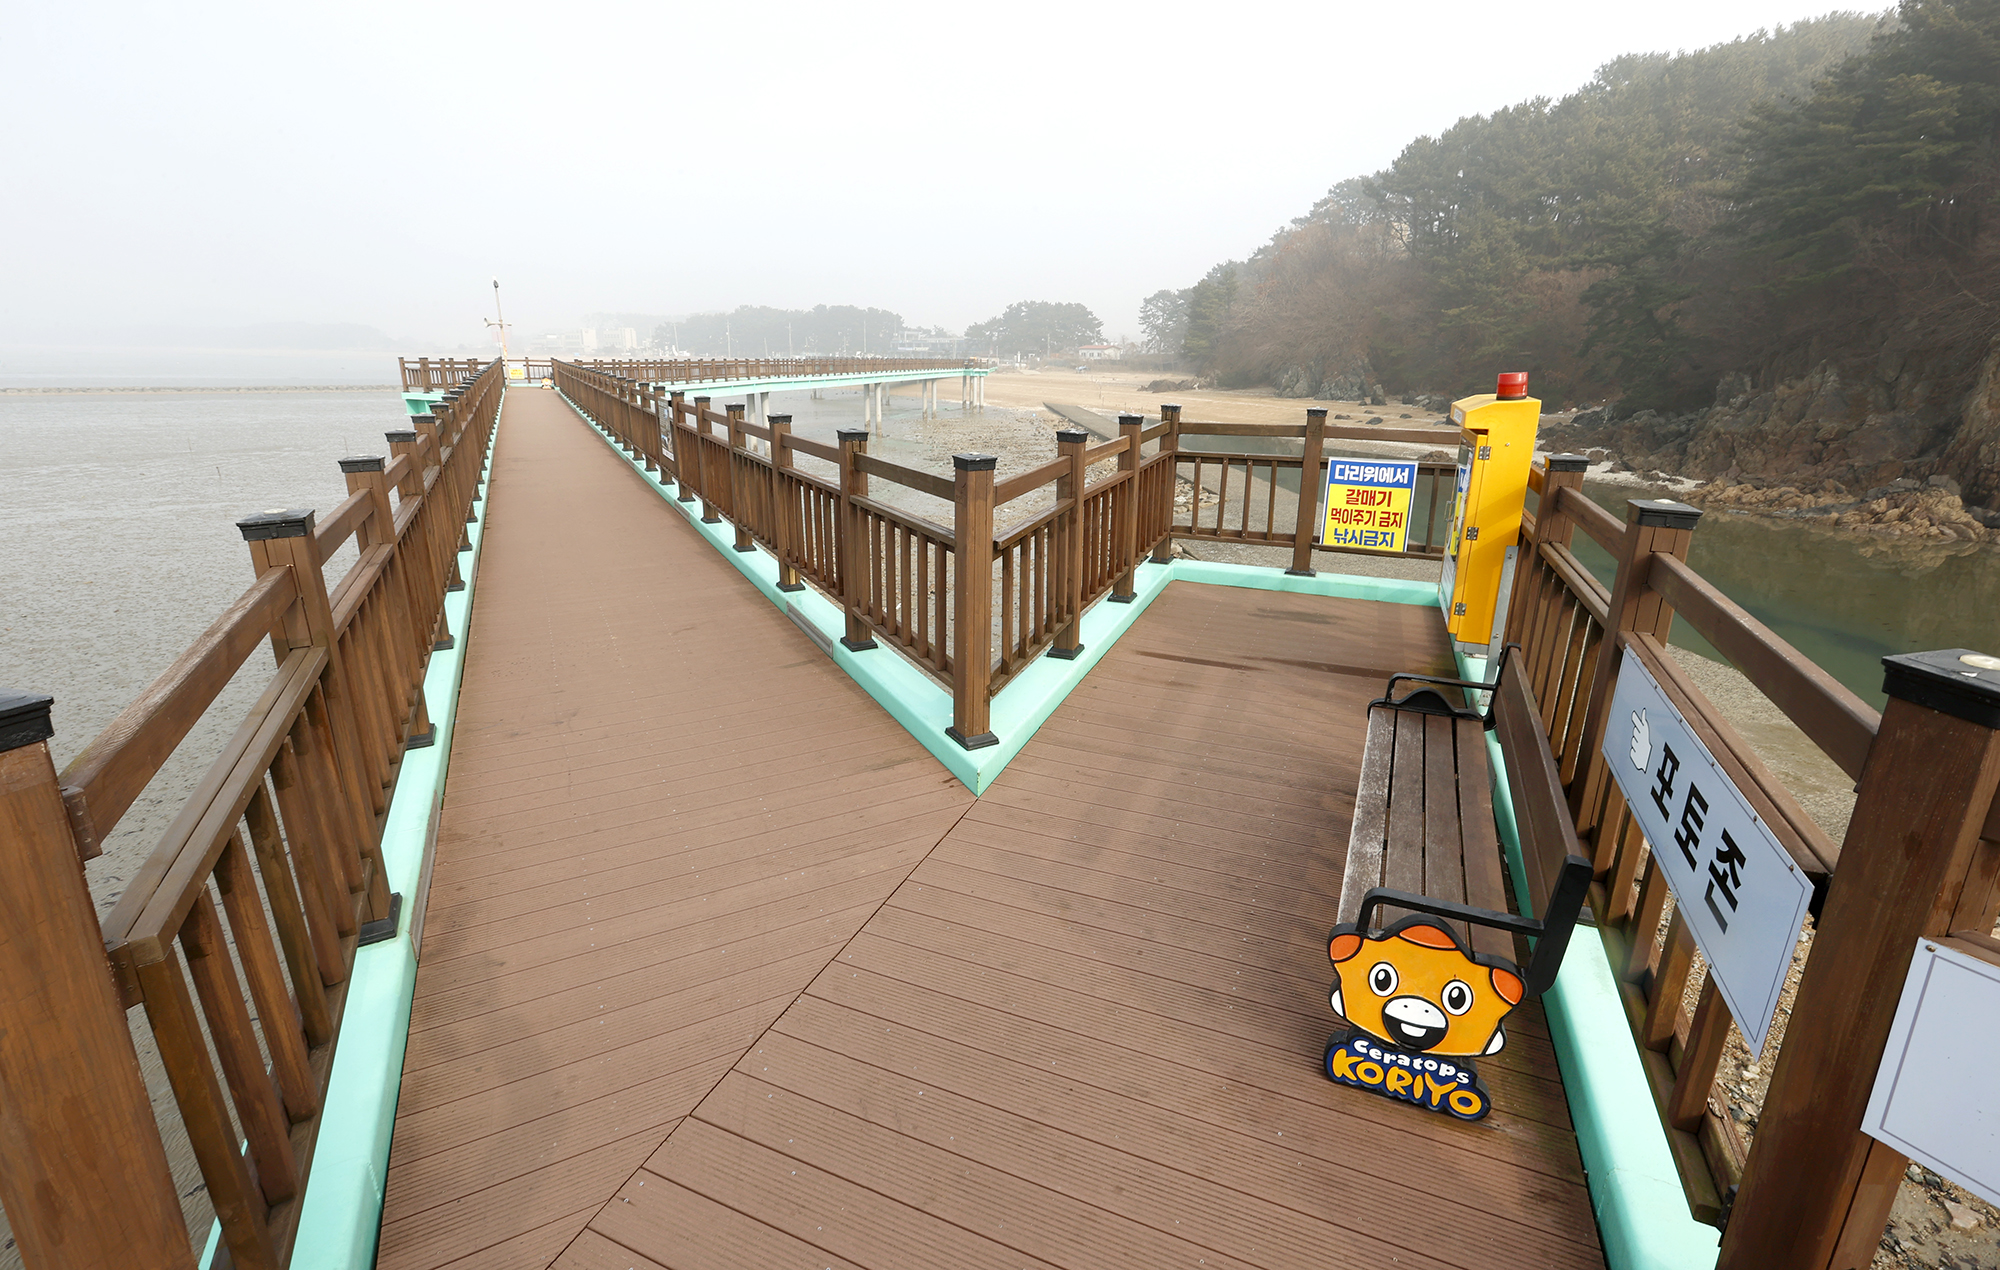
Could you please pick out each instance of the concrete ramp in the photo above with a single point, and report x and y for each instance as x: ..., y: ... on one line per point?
x: 1103, y: 427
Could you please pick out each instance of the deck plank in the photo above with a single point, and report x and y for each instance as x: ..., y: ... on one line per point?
x: 1097, y: 1005
x: 666, y: 812
x: 722, y: 970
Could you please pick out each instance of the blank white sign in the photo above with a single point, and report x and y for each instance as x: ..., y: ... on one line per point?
x: 1935, y: 1098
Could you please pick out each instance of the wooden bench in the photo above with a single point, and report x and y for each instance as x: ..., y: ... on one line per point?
x: 1424, y: 840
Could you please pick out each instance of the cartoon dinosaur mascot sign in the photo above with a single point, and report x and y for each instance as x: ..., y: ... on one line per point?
x: 1419, y: 1005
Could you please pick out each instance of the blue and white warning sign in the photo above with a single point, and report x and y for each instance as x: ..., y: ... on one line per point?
x: 1368, y: 504
x: 1743, y: 897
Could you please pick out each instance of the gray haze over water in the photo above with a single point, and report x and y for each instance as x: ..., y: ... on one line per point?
x: 182, y: 169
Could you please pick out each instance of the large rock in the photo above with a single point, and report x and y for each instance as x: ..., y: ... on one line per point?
x: 1878, y: 424
x: 1974, y: 453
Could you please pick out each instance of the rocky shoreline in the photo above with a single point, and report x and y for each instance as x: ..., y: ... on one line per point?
x: 1931, y: 511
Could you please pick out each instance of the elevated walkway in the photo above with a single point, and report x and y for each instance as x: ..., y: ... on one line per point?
x: 721, y: 968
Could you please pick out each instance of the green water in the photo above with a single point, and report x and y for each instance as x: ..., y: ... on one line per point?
x: 1845, y: 600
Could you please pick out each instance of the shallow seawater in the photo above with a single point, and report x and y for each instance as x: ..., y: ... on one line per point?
x: 1845, y: 600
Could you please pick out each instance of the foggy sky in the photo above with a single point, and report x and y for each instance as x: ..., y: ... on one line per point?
x: 215, y: 165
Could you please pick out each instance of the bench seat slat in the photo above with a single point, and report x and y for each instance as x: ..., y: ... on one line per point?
x: 1485, y: 881
x: 1445, y: 832
x: 1423, y: 821
x: 1365, y: 842
x: 1403, y: 857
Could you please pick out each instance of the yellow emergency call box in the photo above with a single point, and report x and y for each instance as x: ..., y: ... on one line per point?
x: 1496, y: 446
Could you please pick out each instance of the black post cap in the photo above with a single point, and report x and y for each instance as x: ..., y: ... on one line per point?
x: 1170, y: 405
x: 1568, y: 463
x: 1071, y: 436
x: 1315, y: 410
x: 1130, y: 420
x: 1661, y: 513
x: 278, y: 522
x: 402, y: 437
x: 1954, y: 681
x: 702, y: 401
x: 781, y: 419
x: 852, y: 434
x: 734, y: 407
x: 24, y: 718
x: 363, y: 463
x: 975, y: 462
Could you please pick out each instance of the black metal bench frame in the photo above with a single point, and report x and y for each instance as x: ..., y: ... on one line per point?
x: 1551, y: 932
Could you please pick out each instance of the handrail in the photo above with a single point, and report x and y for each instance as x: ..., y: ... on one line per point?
x: 908, y: 520
x: 1033, y: 479
x: 817, y: 449
x: 908, y: 477
x: 101, y: 782
x: 343, y: 523
x: 1601, y: 525
x: 259, y: 892
x: 1841, y: 723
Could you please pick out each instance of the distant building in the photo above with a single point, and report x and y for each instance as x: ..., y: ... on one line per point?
x: 909, y: 343
x: 1098, y: 352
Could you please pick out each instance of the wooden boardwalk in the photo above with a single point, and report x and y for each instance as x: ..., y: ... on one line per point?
x: 721, y: 969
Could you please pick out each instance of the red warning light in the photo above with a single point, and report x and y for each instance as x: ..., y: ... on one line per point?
x: 1513, y: 385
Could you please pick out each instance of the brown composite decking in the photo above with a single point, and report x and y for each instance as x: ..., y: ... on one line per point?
x: 721, y: 969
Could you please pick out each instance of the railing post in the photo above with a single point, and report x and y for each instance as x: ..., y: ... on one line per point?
x: 972, y: 601
x: 1651, y: 526
x: 706, y: 481
x: 783, y: 538
x: 649, y: 424
x: 1306, y: 523
x: 735, y: 500
x: 76, y: 1126
x: 1068, y: 556
x: 857, y: 583
x: 1816, y: 1190
x: 684, y: 460
x: 1170, y: 443
x: 1125, y: 526
x: 366, y: 472
x: 281, y: 540
x: 1553, y: 526
x: 432, y: 428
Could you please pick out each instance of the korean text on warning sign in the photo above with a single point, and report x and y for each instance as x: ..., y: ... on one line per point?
x: 1368, y: 504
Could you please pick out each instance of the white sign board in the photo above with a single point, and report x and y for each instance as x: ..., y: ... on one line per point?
x: 1741, y: 894
x: 1935, y: 1100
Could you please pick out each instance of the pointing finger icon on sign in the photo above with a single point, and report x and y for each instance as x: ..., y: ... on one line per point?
x: 1642, y: 740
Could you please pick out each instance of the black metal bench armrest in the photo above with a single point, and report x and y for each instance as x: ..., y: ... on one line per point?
x: 1551, y: 933
x: 1427, y: 700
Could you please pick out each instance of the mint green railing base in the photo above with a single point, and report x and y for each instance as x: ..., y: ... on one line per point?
x: 1642, y: 1212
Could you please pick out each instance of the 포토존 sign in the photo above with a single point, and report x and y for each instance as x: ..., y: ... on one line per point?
x: 1738, y: 889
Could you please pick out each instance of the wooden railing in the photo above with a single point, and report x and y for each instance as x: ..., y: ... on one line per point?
x: 1256, y: 495
x: 275, y: 857
x: 1810, y: 1189
x: 435, y: 374
x: 976, y: 619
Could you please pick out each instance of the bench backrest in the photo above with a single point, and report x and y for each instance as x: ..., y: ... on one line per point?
x: 1557, y: 873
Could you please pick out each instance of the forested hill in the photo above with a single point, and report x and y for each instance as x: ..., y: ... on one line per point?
x: 1685, y: 229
